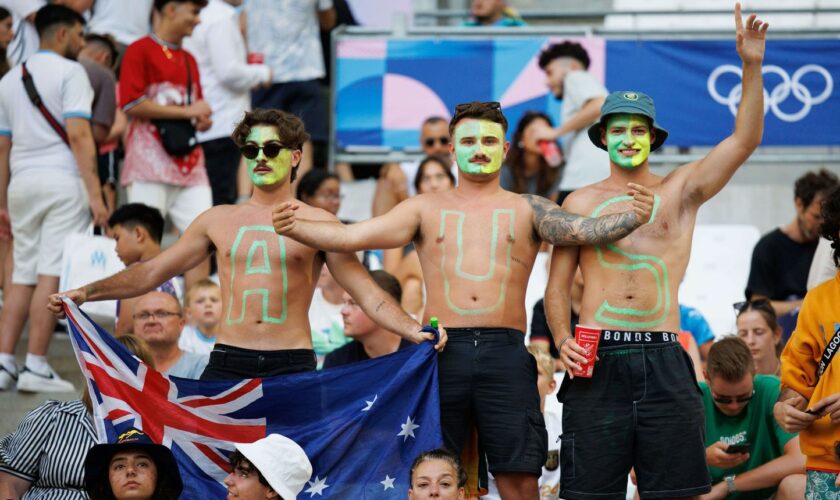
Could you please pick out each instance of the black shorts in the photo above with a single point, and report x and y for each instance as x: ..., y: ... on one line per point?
x: 235, y: 363
x: 642, y: 408
x: 489, y: 380
x: 304, y: 99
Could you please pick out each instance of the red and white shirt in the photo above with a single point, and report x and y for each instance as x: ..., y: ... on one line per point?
x: 157, y: 70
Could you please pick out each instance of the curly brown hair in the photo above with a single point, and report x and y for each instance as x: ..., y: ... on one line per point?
x: 831, y: 221
x: 290, y: 129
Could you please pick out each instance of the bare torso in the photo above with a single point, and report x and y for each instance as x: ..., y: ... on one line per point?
x: 267, y: 280
x: 476, y: 254
x: 632, y: 284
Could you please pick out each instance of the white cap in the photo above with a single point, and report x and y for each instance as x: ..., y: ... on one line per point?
x: 281, y: 461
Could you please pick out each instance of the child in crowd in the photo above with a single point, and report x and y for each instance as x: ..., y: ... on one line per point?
x: 203, y: 308
x: 137, y: 230
x: 549, y: 481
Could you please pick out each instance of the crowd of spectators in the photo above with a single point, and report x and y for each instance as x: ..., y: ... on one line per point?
x: 136, y: 127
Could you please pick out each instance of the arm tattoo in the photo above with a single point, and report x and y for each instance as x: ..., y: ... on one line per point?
x: 558, y: 227
x: 379, y: 306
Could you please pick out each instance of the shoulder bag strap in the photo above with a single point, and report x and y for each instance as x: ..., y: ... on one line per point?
x: 35, y: 97
x: 828, y: 353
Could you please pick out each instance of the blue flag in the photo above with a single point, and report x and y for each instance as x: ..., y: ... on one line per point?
x: 361, y: 425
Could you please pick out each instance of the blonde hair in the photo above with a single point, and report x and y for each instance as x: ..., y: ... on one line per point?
x: 545, y: 363
x: 199, y: 285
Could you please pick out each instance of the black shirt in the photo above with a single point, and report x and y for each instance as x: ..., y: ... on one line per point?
x: 352, y: 353
x: 779, y: 268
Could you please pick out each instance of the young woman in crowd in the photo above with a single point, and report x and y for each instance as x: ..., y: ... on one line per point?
x: 526, y: 170
x: 758, y: 327
x: 437, y: 474
x: 433, y: 176
x: 321, y: 189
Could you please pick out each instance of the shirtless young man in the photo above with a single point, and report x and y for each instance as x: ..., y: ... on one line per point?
x: 477, y: 244
x: 267, y: 280
x: 642, y: 407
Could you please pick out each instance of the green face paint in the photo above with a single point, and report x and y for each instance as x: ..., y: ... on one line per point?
x: 280, y: 165
x: 259, y: 240
x: 628, y: 132
x: 479, y: 138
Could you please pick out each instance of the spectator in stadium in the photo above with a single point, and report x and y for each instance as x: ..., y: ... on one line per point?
x: 693, y: 322
x: 437, y: 474
x: 25, y: 40
x: 226, y: 81
x: 325, y: 318
x: 526, y: 170
x: 757, y: 326
x: 782, y: 258
x: 203, y: 308
x: 44, y: 456
x: 7, y: 33
x: 287, y: 36
x: 42, y: 213
x: 495, y: 13
x: 97, y: 58
x: 156, y: 73
x: 137, y: 230
x: 321, y: 189
x: 565, y: 66
x: 810, y: 398
x: 271, y: 467
x: 395, y: 180
x: 133, y: 468
x: 433, y: 176
x: 747, y: 452
x: 127, y: 22
x: 369, y: 339
x: 159, y: 320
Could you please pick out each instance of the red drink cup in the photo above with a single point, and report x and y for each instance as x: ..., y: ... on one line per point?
x: 551, y: 153
x: 587, y: 337
x: 256, y: 58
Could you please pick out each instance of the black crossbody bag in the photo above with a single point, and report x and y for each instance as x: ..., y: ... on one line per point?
x: 178, y: 135
x: 35, y: 97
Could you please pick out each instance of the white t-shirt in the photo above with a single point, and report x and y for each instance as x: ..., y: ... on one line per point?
x: 66, y: 92
x: 327, y: 326
x: 125, y: 20
x: 26, y: 40
x: 549, y: 481
x: 193, y: 340
x: 585, y: 163
x: 226, y: 77
x: 288, y: 35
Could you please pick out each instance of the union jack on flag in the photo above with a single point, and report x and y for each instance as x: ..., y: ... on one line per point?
x: 361, y: 425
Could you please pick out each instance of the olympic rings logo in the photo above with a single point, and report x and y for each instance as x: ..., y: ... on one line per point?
x: 789, y: 85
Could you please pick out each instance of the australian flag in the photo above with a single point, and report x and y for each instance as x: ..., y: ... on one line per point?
x: 361, y: 425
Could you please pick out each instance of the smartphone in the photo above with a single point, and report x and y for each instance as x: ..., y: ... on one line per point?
x: 816, y: 410
x: 738, y: 448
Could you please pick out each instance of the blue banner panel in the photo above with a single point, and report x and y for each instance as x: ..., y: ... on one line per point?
x: 696, y: 88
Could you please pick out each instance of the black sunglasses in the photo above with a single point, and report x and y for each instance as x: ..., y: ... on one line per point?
x: 269, y: 149
x: 467, y: 105
x: 430, y: 141
x: 742, y: 306
x: 724, y: 400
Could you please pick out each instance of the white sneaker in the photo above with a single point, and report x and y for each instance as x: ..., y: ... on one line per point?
x: 29, y: 381
x: 7, y: 379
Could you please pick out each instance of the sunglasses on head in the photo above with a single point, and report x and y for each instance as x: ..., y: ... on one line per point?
x: 269, y: 149
x: 742, y: 306
x: 724, y: 400
x: 467, y: 105
x: 430, y: 141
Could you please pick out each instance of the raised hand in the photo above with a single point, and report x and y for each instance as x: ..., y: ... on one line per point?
x: 749, y: 37
x: 643, y: 201
x: 283, y: 217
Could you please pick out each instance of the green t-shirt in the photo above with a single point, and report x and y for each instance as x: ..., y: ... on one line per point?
x: 754, y: 425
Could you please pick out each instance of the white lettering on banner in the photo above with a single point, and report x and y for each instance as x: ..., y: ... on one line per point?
x: 739, y: 438
x: 789, y: 85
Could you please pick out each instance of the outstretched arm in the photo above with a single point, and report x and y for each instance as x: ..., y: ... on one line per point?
x: 378, y: 304
x: 390, y: 230
x: 190, y: 249
x: 708, y: 176
x: 560, y: 228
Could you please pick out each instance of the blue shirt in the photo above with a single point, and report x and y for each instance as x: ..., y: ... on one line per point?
x: 692, y: 321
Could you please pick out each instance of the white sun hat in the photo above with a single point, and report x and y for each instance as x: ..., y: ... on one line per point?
x: 281, y: 461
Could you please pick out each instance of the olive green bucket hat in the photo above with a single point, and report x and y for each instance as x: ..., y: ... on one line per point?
x: 634, y: 103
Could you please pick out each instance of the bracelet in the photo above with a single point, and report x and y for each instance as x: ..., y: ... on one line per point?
x: 730, y: 483
x: 560, y: 345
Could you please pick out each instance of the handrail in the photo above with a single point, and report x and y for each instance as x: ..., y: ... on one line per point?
x: 541, y: 14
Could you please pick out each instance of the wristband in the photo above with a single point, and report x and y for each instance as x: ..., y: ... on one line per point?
x: 730, y: 484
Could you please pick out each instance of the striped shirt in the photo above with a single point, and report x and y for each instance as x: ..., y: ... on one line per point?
x: 48, y: 448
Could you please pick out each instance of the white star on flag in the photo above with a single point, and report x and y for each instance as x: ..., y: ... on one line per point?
x: 407, y: 429
x: 370, y: 403
x: 317, y: 486
x: 388, y: 482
